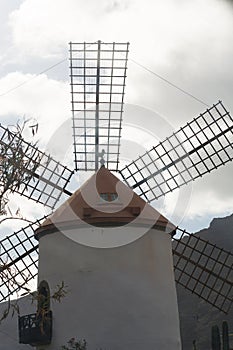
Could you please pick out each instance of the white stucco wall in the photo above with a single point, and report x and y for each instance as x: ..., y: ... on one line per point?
x: 119, y: 299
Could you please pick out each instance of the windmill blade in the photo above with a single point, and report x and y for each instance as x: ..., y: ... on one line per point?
x: 204, y: 269
x: 202, y: 145
x: 98, y: 74
x: 29, y: 171
x: 18, y: 261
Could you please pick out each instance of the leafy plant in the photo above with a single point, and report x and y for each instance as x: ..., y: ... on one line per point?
x: 75, y: 345
x: 18, y: 162
x: 42, y: 312
x: 43, y: 303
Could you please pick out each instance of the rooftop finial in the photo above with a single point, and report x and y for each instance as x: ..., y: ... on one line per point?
x: 102, y: 160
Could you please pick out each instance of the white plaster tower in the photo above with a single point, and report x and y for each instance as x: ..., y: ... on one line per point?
x: 113, y: 251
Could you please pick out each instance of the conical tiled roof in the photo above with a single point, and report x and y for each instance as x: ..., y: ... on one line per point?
x: 88, y: 205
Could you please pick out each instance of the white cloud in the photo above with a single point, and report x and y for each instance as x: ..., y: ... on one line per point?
x: 176, y: 40
x: 41, y: 98
x: 44, y: 27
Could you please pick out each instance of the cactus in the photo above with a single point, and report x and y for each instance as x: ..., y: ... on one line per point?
x: 216, y: 342
x: 225, y: 336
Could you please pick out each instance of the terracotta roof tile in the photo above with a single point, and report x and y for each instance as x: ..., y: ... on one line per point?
x: 87, y: 205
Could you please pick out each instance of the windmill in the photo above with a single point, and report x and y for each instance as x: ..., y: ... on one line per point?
x: 98, y: 76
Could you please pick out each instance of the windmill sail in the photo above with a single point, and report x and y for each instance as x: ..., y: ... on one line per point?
x: 98, y: 74
x: 202, y: 145
x: 18, y: 261
x: 204, y: 269
x: 31, y: 173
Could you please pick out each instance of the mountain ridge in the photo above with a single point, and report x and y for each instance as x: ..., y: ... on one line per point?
x: 196, y: 316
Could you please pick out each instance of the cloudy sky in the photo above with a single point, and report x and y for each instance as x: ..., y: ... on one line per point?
x: 187, y: 42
